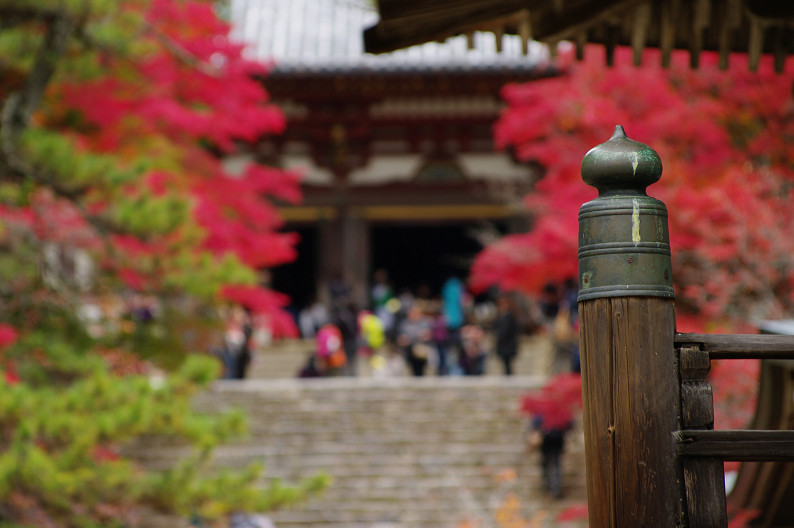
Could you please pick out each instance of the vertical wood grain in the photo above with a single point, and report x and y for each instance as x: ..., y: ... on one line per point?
x: 596, y: 362
x: 704, y: 477
x: 631, y: 408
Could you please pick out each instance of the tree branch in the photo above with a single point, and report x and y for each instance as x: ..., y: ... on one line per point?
x: 12, y: 15
x: 181, y: 54
x: 20, y: 106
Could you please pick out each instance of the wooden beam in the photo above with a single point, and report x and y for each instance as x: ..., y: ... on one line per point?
x: 670, y: 22
x: 700, y: 21
x: 639, y: 32
x: 581, y: 43
x: 470, y: 40
x: 613, y: 35
x: 405, y: 23
x: 730, y: 19
x: 756, y: 44
x: 737, y: 445
x: 547, y: 26
x: 552, y: 46
x: 771, y: 9
x: 499, y: 35
x: 779, y: 50
x: 741, y: 346
x: 524, y: 31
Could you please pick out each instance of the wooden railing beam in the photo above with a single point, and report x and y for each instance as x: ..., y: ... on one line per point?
x: 757, y: 445
x: 740, y: 346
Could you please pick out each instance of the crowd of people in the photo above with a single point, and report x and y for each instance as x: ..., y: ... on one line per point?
x: 446, y: 334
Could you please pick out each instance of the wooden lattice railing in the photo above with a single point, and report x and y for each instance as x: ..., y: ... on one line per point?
x: 653, y: 456
x: 702, y: 449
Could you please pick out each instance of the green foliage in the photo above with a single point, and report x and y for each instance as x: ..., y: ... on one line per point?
x: 208, y: 274
x: 15, y: 44
x: 148, y: 215
x: 57, y: 155
x: 61, y: 443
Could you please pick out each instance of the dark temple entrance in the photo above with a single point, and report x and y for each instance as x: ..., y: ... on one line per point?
x: 298, y: 279
x: 416, y: 255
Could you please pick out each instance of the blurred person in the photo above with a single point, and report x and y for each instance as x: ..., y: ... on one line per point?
x: 570, y: 295
x: 413, y: 337
x: 399, y: 307
x: 345, y: 319
x: 143, y: 308
x: 565, y: 340
x: 452, y: 300
x: 249, y: 520
x: 388, y: 362
x: 440, y: 334
x: 372, y: 333
x: 380, y: 296
x: 452, y: 307
x: 576, y: 358
x: 235, y: 350
x: 472, y: 357
x: 549, y: 437
x: 506, y: 332
x: 330, y: 352
x: 310, y: 369
x: 339, y: 289
x: 311, y: 318
x: 551, y: 410
x: 384, y: 362
x: 549, y: 302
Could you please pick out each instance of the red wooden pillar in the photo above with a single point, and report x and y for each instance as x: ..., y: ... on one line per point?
x: 627, y: 324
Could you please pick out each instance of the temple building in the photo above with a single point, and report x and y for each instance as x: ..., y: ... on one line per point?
x: 397, y: 151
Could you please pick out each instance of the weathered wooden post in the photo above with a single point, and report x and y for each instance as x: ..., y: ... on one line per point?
x: 627, y: 325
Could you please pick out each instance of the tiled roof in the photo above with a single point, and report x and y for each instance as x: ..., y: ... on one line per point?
x: 327, y: 35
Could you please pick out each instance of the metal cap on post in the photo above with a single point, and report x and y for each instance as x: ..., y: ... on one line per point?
x: 624, y: 244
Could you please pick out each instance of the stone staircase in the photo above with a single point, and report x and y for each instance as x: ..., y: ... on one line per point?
x: 401, y: 452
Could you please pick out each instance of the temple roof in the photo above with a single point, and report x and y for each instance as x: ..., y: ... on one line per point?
x: 754, y: 27
x: 318, y: 35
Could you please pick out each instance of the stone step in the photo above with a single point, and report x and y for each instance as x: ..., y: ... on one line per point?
x: 402, y: 453
x: 454, y: 513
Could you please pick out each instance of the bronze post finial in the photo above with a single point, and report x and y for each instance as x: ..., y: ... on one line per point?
x: 624, y: 247
x: 621, y: 165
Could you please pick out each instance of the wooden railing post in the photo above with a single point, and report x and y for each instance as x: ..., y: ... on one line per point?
x: 704, y: 477
x: 627, y: 325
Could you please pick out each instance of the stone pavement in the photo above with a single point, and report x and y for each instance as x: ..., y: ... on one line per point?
x: 402, y: 452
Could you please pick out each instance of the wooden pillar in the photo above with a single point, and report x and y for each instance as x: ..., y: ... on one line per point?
x: 344, y: 253
x: 330, y: 264
x: 356, y: 256
x: 627, y: 326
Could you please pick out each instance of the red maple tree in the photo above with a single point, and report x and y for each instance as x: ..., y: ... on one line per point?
x: 725, y: 140
x: 124, y: 152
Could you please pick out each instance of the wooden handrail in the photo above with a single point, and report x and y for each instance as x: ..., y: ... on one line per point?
x: 741, y: 346
x: 757, y: 445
